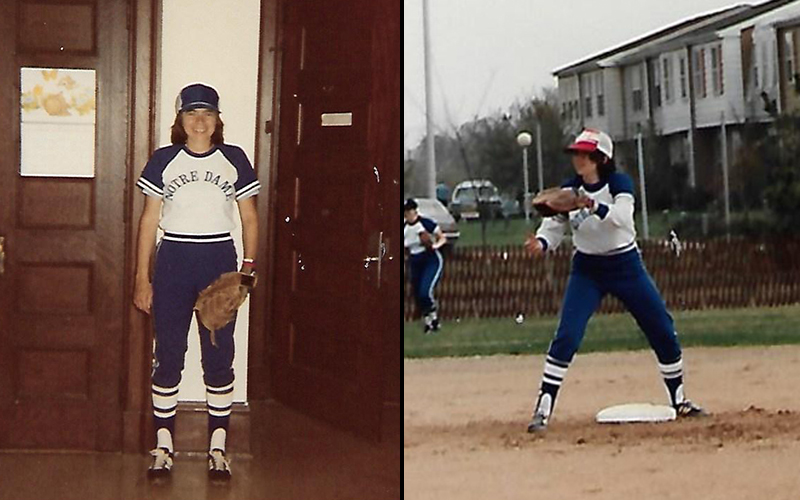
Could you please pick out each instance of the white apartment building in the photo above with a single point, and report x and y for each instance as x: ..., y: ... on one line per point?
x: 689, y: 82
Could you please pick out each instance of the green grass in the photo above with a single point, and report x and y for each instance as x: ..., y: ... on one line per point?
x: 498, y: 232
x: 609, y: 332
x: 514, y: 231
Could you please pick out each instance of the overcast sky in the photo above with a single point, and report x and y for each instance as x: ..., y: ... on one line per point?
x: 487, y: 54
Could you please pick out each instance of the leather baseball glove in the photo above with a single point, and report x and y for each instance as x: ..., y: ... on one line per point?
x: 217, y: 305
x: 556, y: 201
x: 426, y: 239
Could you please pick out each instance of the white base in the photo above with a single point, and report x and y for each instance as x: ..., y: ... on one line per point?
x: 635, y: 412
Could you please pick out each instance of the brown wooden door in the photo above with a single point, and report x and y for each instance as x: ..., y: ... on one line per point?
x: 62, y: 280
x: 330, y: 312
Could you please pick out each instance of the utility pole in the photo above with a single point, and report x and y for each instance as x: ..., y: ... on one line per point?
x: 430, y: 185
x: 725, y: 181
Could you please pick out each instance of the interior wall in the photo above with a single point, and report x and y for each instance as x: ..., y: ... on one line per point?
x: 213, y: 43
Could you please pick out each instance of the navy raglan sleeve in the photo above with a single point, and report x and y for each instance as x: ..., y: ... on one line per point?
x: 247, y: 184
x: 151, y: 182
x: 620, y: 183
x: 621, y: 188
x: 428, y: 224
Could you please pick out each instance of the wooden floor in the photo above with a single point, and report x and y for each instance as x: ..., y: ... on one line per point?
x: 294, y: 457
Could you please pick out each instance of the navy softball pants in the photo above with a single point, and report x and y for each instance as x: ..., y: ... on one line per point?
x: 625, y: 277
x: 182, y: 270
x: 426, y: 269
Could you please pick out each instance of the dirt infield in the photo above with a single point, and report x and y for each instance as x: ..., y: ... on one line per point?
x: 464, y: 429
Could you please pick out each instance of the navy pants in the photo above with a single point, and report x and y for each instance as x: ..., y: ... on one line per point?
x: 182, y: 270
x: 625, y: 277
x: 426, y: 269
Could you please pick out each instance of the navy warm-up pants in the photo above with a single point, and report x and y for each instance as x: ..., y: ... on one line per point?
x: 182, y: 270
x: 426, y: 269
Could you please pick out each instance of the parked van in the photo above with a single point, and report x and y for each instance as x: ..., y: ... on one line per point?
x: 466, y: 196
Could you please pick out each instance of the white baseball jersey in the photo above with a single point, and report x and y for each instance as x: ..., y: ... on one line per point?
x: 411, y: 234
x: 608, y: 229
x: 199, y: 190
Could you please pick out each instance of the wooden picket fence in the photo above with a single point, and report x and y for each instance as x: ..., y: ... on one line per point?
x: 486, y: 282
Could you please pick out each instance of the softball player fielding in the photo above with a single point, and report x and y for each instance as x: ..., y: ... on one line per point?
x: 422, y: 238
x: 606, y: 261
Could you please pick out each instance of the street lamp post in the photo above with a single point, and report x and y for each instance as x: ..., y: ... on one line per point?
x: 539, y: 155
x: 642, y: 186
x: 524, y: 139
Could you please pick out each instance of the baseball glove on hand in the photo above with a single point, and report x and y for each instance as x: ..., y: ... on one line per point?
x: 426, y: 239
x: 556, y: 201
x: 217, y: 305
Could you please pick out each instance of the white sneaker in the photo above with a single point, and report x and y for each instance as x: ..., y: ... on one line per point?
x: 218, y: 466
x: 162, y: 463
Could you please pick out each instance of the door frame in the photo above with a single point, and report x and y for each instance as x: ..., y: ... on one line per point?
x: 145, y: 36
x: 145, y: 16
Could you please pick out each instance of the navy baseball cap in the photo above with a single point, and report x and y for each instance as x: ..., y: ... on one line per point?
x: 195, y: 96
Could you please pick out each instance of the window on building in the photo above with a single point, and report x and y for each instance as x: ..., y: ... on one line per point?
x: 600, y: 88
x: 588, y: 94
x: 756, y: 84
x: 667, y: 75
x: 656, y: 80
x: 769, y: 65
x: 714, y: 74
x: 788, y: 49
x: 682, y: 69
x: 717, y: 84
x: 700, y: 73
x: 636, y: 87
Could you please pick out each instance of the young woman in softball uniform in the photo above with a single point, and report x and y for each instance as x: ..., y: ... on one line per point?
x: 191, y: 188
x: 422, y: 238
x: 606, y: 261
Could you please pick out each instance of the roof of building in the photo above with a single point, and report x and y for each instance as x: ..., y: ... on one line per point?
x: 691, y: 30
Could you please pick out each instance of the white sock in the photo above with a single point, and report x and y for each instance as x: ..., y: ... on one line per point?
x: 218, y: 439
x: 219, y: 400
x: 165, y: 401
x: 164, y: 439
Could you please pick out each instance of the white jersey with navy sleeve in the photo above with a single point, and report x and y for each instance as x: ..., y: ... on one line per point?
x: 608, y: 229
x: 411, y: 234
x: 198, y: 190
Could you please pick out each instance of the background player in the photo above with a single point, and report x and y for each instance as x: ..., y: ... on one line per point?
x: 606, y: 260
x: 423, y: 238
x: 191, y: 188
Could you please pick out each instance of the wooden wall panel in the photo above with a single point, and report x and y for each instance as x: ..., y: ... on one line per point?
x: 62, y: 374
x: 68, y: 428
x: 45, y: 27
x: 320, y: 343
x: 74, y: 199
x: 55, y: 289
